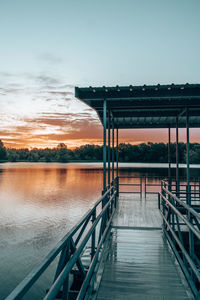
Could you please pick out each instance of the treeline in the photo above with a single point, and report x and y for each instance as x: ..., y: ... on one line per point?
x: 150, y: 152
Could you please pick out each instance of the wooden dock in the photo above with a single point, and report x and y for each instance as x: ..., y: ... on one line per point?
x: 120, y: 250
x: 140, y: 264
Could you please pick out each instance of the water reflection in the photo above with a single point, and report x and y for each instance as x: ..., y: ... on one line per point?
x: 39, y: 203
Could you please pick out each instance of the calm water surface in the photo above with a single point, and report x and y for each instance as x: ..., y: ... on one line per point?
x: 39, y: 203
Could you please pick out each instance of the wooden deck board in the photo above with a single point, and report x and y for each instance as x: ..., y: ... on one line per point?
x: 139, y: 264
x: 136, y: 212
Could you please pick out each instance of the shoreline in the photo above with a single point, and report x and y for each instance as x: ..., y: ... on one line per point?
x: 99, y: 164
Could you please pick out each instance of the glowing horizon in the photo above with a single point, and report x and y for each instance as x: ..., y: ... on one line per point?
x: 131, y: 42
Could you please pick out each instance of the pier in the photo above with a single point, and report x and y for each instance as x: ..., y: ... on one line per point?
x: 128, y: 246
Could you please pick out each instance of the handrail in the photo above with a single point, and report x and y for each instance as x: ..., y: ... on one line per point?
x: 91, y: 269
x: 61, y: 278
x: 189, y: 260
x: 182, y: 229
x: 190, y: 209
x: 34, y: 275
x: 197, y: 233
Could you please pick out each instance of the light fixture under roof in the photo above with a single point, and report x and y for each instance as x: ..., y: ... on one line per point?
x: 94, y: 91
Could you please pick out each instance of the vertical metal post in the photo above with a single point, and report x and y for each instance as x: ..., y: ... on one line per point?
x: 169, y: 158
x: 113, y: 150
x: 117, y: 153
x: 158, y: 200
x: 66, y: 285
x: 177, y: 160
x: 93, y: 236
x: 109, y: 147
x: 117, y: 160
x: 104, y: 145
x: 188, y: 158
x: 191, y: 235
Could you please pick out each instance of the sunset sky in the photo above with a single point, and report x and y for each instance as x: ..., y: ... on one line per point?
x: 48, y: 47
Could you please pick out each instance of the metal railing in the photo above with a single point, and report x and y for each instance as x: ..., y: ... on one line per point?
x: 144, y: 185
x: 183, y: 191
x: 71, y: 249
x: 140, y: 184
x: 181, y: 225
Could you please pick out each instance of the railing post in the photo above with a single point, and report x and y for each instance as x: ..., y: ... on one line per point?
x: 163, y: 204
x: 104, y: 146
x: 93, y: 236
x: 64, y: 257
x: 117, y: 186
x: 109, y: 147
x: 117, y: 153
x: 140, y: 187
x: 113, y: 150
x: 117, y: 162
x: 173, y: 217
x: 159, y: 201
x: 188, y: 158
x: 145, y: 187
x: 191, y: 238
x: 169, y: 158
x: 65, y: 295
x: 177, y: 160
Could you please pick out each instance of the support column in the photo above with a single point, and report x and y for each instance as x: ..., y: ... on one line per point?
x: 169, y: 157
x: 104, y: 145
x: 117, y: 153
x: 117, y: 161
x: 191, y: 234
x: 108, y: 147
x: 177, y: 160
x: 188, y: 157
x: 113, y: 150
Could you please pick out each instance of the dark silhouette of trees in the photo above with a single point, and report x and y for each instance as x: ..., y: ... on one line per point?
x: 3, y: 152
x: 63, y: 154
x: 150, y: 152
x: 88, y: 152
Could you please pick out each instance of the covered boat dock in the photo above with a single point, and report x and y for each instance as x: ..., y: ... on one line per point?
x: 133, y: 248
x: 140, y: 263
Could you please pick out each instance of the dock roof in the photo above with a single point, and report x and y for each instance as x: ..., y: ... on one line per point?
x: 147, y: 106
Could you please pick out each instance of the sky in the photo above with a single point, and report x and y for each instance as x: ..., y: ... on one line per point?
x: 47, y: 47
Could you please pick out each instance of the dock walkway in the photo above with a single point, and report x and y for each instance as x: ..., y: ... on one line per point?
x: 140, y: 264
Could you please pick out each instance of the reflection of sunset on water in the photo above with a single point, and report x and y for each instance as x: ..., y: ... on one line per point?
x: 45, y: 184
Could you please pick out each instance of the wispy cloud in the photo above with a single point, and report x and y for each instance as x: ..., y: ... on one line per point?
x: 49, y: 58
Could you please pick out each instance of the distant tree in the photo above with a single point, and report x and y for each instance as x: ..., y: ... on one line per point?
x: 61, y: 146
x: 62, y: 153
x: 3, y: 152
x: 150, y: 152
x: 195, y: 154
x: 23, y: 154
x: 88, y: 152
x: 12, y: 155
x: 34, y: 155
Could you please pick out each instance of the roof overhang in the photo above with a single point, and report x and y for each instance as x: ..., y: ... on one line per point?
x: 156, y: 106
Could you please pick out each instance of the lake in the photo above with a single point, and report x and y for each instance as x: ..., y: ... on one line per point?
x: 40, y: 202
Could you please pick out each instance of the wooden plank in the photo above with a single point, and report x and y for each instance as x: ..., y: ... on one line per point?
x: 133, y: 212
x: 140, y: 264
